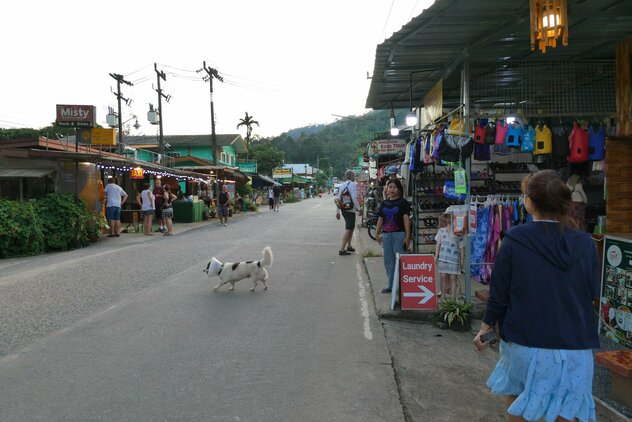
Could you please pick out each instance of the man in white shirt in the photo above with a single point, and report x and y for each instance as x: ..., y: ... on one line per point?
x: 349, y: 186
x: 115, y: 197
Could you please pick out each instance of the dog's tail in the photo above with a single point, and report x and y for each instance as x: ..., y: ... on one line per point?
x: 267, y: 257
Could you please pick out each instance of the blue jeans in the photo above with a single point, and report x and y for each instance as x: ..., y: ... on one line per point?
x: 392, y: 243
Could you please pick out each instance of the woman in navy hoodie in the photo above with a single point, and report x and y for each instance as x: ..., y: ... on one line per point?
x: 545, y: 278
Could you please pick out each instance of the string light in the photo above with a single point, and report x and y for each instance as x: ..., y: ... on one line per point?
x: 156, y: 173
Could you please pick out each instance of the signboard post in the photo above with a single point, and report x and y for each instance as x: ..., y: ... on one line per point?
x: 415, y: 276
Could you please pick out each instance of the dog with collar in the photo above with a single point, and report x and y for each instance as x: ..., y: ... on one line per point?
x: 232, y: 272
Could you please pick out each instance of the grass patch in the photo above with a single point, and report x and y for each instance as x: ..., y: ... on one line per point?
x: 368, y: 253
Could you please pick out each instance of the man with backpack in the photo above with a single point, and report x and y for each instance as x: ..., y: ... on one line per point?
x: 348, y: 206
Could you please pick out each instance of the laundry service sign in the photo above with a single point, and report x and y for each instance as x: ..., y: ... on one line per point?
x: 416, y: 275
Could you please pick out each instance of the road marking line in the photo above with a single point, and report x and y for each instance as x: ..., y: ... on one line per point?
x: 364, y: 304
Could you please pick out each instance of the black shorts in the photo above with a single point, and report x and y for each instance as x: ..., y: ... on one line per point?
x: 350, y: 219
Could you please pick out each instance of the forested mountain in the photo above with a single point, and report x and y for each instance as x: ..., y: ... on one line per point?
x: 336, y: 145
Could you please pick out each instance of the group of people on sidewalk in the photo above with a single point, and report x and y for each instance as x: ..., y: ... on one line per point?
x: 157, y: 202
x: 540, y: 310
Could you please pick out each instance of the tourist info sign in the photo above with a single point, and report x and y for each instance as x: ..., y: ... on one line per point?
x: 416, y: 275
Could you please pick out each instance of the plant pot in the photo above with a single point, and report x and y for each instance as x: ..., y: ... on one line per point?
x: 461, y: 326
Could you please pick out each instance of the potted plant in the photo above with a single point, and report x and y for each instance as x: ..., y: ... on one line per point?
x: 456, y: 313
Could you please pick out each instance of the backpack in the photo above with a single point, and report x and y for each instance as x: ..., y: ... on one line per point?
x: 596, y: 143
x: 578, y: 145
x: 543, y: 140
x: 512, y: 138
x: 346, y: 203
x: 528, y: 139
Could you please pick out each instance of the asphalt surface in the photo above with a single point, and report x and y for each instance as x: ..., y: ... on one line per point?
x: 130, y: 329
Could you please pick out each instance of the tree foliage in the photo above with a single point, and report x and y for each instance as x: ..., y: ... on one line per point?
x: 336, y: 145
x: 267, y: 157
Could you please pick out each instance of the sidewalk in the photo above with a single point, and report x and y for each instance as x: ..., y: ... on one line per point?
x: 440, y: 376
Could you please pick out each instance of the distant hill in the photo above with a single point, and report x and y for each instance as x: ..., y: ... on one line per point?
x: 340, y: 142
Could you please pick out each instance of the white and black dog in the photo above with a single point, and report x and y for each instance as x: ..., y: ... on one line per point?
x: 232, y: 272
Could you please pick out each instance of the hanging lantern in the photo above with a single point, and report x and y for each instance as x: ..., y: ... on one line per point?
x: 549, y: 21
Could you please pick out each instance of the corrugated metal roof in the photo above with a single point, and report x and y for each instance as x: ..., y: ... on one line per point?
x: 433, y: 44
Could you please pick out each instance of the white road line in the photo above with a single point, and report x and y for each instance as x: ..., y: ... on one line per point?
x: 364, y: 304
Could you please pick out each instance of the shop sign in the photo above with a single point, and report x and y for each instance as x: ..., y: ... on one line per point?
x: 416, y: 275
x: 282, y: 173
x: 615, y: 320
x: 250, y: 167
x: 76, y: 115
x: 136, y: 173
x: 96, y: 136
x: 387, y: 147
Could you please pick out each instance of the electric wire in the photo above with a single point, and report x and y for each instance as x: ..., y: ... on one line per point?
x: 386, y: 23
x: 138, y: 70
x: 412, y: 12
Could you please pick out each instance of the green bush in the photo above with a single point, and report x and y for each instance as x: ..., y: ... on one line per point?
x: 56, y: 222
x: 245, y: 191
x: 20, y: 230
x: 290, y: 198
x: 66, y: 221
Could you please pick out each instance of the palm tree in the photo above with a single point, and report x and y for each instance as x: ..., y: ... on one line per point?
x: 247, y: 121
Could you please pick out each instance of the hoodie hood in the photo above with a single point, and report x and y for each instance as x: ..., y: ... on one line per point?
x: 560, y: 247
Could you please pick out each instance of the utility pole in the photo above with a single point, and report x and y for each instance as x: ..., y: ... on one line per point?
x: 161, y: 75
x: 210, y: 74
x: 119, y: 79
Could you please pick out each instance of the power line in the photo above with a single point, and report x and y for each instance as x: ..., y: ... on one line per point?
x: 138, y: 70
x: 386, y: 23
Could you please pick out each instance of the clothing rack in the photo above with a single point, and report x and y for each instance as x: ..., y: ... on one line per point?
x: 430, y: 126
x: 498, y: 196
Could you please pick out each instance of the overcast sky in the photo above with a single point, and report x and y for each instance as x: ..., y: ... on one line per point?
x: 287, y: 63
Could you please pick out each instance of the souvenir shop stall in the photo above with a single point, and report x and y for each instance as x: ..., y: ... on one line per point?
x: 471, y: 160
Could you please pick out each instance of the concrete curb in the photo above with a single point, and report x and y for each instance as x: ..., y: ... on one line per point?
x: 607, y: 413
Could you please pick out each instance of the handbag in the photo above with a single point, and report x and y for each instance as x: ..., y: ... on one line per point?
x: 456, y: 148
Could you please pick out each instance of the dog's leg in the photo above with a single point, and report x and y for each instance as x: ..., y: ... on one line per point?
x: 254, y: 284
x: 221, y: 283
x: 265, y: 279
x: 232, y: 286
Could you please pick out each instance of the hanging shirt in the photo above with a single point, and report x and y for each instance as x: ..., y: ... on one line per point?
x: 450, y: 246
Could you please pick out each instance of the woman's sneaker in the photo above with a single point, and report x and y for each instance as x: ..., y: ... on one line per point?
x: 341, y: 252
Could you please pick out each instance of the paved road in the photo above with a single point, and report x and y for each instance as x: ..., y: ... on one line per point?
x: 130, y: 329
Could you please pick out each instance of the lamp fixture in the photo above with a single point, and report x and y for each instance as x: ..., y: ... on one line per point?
x: 394, y: 129
x: 549, y: 21
x: 411, y: 117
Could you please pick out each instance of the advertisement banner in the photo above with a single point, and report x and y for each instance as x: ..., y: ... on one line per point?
x: 249, y: 167
x: 615, y: 320
x: 433, y: 104
x: 417, y: 281
x: 282, y: 173
x: 76, y: 115
x: 383, y: 147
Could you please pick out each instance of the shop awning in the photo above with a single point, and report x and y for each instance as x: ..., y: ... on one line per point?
x: 17, y: 173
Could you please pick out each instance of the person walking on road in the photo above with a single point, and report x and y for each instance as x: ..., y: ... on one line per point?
x: 348, y: 188
x: 159, y: 193
x: 115, y: 197
x: 271, y: 198
x: 167, y: 210
x: 277, y: 197
x: 224, y: 200
x: 545, y: 278
x: 392, y: 230
x: 147, y: 204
